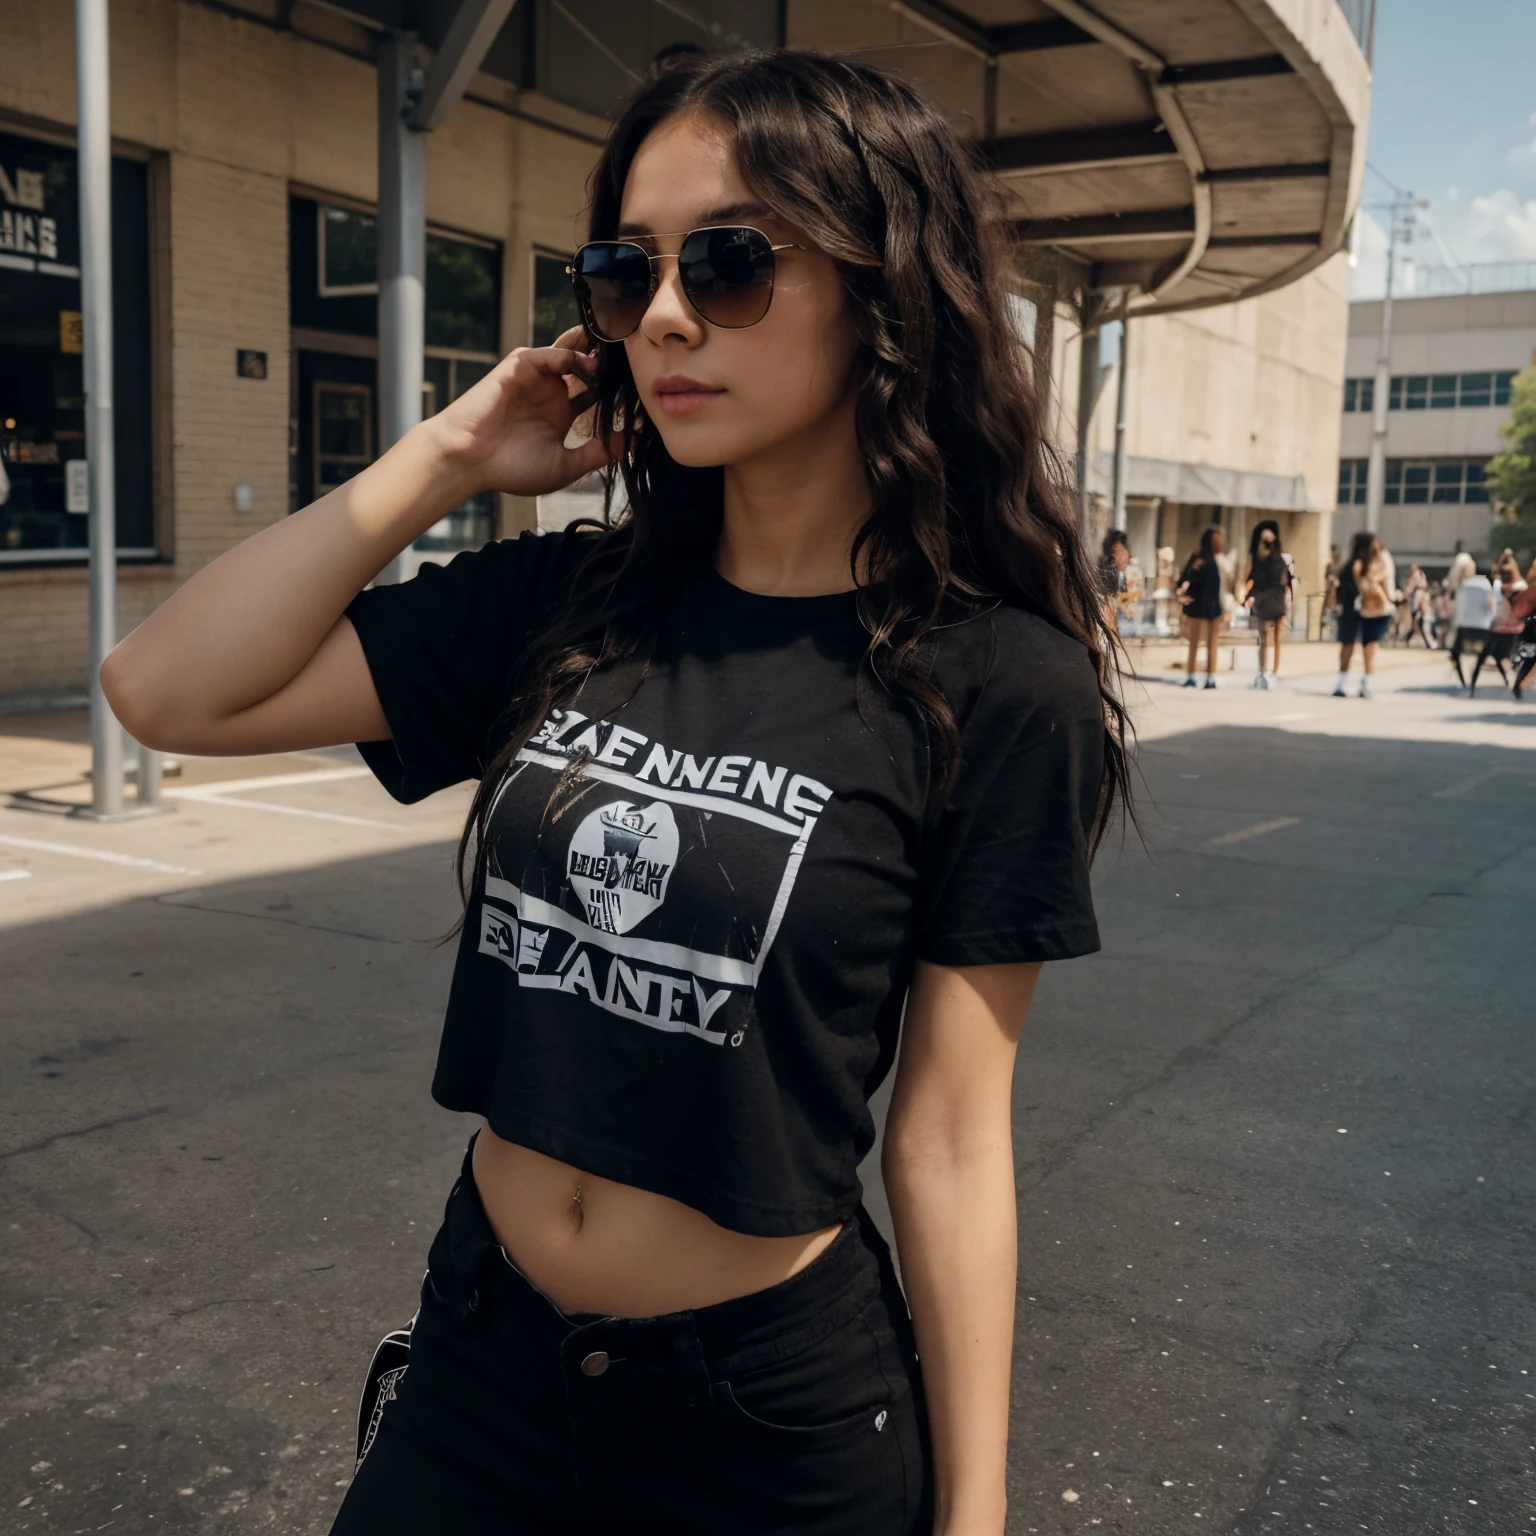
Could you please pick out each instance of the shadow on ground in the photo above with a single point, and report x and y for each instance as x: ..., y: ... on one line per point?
x: 1274, y: 1150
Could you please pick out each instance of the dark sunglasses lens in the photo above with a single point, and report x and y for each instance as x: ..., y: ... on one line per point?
x: 613, y: 286
x: 727, y: 275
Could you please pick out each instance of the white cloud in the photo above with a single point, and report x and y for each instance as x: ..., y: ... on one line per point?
x: 1502, y: 227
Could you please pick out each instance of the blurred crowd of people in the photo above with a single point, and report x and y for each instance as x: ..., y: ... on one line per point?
x: 1465, y: 612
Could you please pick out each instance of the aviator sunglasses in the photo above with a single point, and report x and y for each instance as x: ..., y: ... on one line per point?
x: 726, y: 272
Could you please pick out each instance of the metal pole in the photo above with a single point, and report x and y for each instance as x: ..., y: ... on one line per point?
x: 1120, y: 435
x: 402, y: 247
x: 1376, y: 467
x: 1088, y: 383
x: 95, y: 159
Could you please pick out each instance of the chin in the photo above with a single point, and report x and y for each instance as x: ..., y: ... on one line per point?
x: 703, y: 447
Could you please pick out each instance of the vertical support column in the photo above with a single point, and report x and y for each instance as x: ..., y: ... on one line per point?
x: 402, y: 247
x: 1088, y: 382
x: 1120, y: 436
x: 95, y: 159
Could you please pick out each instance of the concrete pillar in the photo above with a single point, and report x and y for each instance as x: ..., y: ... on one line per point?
x: 402, y: 247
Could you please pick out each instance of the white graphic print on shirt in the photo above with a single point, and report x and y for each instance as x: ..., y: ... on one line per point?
x: 653, y: 883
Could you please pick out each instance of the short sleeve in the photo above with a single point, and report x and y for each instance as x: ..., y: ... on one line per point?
x: 442, y: 649
x: 1007, y: 880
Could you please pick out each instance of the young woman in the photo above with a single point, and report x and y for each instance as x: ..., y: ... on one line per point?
x: 1365, y: 609
x: 1267, y: 595
x: 1200, y: 592
x: 813, y: 744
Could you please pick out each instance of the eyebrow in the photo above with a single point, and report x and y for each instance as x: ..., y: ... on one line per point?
x: 724, y: 214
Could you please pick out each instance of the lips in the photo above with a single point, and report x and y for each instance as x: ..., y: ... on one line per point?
x: 677, y: 393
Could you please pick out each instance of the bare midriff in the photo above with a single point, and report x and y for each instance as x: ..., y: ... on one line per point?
x: 592, y: 1245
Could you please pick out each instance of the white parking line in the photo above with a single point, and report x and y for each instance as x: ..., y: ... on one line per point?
x: 99, y: 855
x: 267, y: 781
x: 15, y: 874
x: 211, y: 796
x: 1244, y: 833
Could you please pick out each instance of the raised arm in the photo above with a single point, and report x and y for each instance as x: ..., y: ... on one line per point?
x: 948, y: 1167
x: 253, y: 654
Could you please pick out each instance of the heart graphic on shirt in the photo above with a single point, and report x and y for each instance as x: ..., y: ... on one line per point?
x: 621, y: 858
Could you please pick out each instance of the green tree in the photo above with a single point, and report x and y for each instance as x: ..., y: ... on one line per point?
x: 1512, y: 474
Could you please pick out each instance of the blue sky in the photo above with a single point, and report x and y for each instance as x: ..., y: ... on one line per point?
x: 1453, y: 118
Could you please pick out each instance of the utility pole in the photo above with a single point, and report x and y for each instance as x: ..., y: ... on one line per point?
x: 402, y: 246
x: 95, y: 160
x: 1400, y: 212
x: 1090, y: 380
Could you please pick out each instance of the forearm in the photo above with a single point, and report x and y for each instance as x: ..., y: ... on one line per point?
x: 953, y: 1204
x: 245, y: 624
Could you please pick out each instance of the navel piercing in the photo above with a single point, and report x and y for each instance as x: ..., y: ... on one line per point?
x: 576, y: 1198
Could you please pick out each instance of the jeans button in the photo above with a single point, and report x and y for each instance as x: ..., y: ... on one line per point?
x: 595, y: 1363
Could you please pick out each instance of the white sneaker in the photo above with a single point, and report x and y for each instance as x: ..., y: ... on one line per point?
x: 1258, y: 681
x: 1210, y: 682
x: 1365, y: 688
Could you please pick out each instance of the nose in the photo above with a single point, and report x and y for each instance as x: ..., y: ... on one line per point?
x: 669, y: 313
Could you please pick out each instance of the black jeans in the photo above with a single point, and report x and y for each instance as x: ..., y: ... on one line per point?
x: 798, y: 1408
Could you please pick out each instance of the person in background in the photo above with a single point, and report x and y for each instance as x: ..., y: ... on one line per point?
x: 1416, y: 601
x: 1507, y: 581
x: 1114, y: 565
x: 1474, y: 611
x: 1200, y: 592
x: 1267, y: 595
x: 1371, y: 600
x: 1442, y: 608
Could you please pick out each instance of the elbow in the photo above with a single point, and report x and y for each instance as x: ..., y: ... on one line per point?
x: 135, y: 702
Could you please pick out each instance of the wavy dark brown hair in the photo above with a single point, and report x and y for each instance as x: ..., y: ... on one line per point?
x: 969, y: 506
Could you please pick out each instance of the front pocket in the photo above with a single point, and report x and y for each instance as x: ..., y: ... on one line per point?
x: 837, y: 1386
x: 873, y: 1420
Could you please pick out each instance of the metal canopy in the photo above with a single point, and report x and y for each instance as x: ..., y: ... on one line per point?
x: 1173, y: 153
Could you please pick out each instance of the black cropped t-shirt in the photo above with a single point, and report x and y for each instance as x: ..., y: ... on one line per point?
x: 686, y: 970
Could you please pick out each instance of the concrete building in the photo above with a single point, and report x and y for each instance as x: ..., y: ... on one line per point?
x: 1160, y: 159
x: 1229, y: 419
x: 1454, y: 357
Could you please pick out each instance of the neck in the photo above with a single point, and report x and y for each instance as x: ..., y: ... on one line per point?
x: 793, y: 511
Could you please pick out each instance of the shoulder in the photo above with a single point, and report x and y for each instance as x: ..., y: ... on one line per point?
x: 1006, y: 662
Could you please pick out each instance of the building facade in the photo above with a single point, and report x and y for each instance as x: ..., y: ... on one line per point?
x: 245, y: 268
x: 1229, y: 419
x: 1454, y: 359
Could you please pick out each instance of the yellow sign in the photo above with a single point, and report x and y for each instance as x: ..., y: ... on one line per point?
x: 71, y: 334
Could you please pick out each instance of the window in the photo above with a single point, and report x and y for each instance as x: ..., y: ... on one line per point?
x: 1352, y: 474
x: 333, y: 300
x: 1448, y: 477
x: 1446, y: 481
x: 554, y: 305
x: 44, y: 514
x: 1359, y: 394
x: 1439, y: 391
x: 1477, y: 489
x: 1476, y: 388
x: 463, y: 280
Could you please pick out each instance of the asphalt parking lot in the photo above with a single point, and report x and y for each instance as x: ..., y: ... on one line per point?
x: 1275, y: 1144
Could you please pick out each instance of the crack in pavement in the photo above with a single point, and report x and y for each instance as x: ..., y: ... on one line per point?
x: 86, y: 1130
